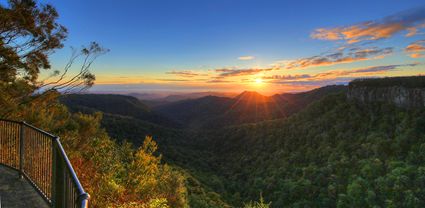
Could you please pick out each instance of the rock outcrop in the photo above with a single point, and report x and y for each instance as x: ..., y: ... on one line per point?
x: 399, y: 95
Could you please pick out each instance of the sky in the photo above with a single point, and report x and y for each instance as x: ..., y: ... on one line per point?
x: 236, y: 45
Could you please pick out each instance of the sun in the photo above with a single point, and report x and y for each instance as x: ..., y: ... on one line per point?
x: 258, y: 81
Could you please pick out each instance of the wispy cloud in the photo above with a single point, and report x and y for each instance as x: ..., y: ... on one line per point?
x: 246, y: 58
x: 416, y: 46
x: 335, y: 77
x: 331, y: 75
x: 174, y: 80
x: 416, y: 49
x: 185, y: 73
x: 240, y: 72
x: 344, y: 55
x: 219, y: 81
x: 409, y: 21
x: 316, y: 83
x: 287, y: 77
x: 373, y: 70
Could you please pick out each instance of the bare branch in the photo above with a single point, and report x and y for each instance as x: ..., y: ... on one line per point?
x: 83, y: 78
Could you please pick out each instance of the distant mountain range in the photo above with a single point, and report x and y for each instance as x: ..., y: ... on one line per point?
x: 154, y: 102
x: 126, y: 117
x: 247, y: 107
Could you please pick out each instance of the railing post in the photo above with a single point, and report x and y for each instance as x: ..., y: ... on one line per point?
x: 54, y: 162
x: 59, y: 177
x: 21, y: 149
x: 83, y: 200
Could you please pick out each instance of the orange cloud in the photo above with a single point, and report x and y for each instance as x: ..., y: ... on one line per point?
x: 336, y: 74
x: 185, y: 73
x: 417, y: 55
x: 241, y: 72
x: 409, y: 21
x: 416, y: 48
x: 412, y: 31
x: 353, y: 55
x: 246, y: 58
x: 288, y: 77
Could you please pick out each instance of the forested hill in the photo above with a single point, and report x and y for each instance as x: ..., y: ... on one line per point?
x: 335, y: 153
x: 114, y: 104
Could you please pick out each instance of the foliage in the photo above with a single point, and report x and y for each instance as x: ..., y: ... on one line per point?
x: 259, y: 204
x: 116, y: 174
x: 334, y: 153
x: 28, y: 34
x: 122, y: 127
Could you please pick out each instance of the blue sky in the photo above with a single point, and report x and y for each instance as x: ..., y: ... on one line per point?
x: 166, y: 45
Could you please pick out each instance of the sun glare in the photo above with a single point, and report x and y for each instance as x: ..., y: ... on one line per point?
x: 258, y: 81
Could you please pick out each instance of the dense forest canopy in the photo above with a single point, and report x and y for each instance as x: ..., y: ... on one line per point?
x: 335, y: 153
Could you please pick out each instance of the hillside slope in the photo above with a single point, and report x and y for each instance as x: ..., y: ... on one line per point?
x: 126, y: 119
x: 336, y: 152
x: 114, y: 104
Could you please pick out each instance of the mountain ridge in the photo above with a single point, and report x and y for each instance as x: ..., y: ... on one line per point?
x: 114, y: 104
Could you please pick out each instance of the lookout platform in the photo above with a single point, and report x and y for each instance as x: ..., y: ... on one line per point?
x: 16, y: 192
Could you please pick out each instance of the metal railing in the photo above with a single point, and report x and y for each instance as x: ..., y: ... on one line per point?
x: 40, y: 158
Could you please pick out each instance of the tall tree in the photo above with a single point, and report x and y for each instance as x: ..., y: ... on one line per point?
x: 29, y: 33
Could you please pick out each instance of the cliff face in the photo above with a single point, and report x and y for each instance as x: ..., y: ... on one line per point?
x: 398, y: 95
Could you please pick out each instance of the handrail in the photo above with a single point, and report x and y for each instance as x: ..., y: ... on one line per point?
x: 40, y: 158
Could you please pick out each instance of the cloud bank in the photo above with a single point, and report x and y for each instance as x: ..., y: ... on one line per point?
x: 345, y: 55
x: 335, y: 75
x: 409, y: 21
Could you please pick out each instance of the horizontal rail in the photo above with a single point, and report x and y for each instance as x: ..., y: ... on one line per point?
x: 40, y: 158
x: 39, y: 130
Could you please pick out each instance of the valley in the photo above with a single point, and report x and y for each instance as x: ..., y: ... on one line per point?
x: 309, y: 149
